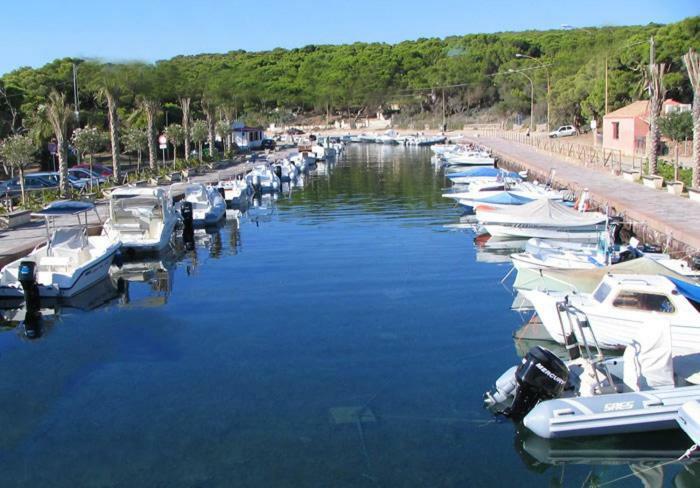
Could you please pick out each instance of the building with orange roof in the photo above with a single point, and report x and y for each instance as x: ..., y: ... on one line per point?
x: 626, y: 128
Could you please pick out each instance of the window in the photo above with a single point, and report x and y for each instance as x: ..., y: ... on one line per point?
x: 647, y: 302
x: 601, y: 292
x: 616, y: 130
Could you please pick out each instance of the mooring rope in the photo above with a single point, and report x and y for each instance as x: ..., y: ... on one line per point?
x: 686, y: 455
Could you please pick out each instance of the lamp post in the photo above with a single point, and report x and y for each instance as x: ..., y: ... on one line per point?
x: 532, y: 98
x: 546, y: 70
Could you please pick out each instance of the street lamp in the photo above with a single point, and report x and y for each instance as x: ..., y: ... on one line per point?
x: 532, y: 98
x: 546, y: 70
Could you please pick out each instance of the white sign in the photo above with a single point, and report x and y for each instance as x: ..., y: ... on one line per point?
x: 163, y: 146
x: 162, y: 140
x: 594, y: 124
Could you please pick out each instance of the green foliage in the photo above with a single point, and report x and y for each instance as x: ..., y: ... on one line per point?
x: 199, y: 131
x: 354, y: 80
x: 89, y: 140
x: 18, y: 151
x: 677, y: 126
x: 135, y: 139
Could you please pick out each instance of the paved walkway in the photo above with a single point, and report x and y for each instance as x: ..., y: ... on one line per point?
x: 671, y: 215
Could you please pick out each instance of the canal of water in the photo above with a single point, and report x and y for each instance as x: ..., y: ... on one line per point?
x: 340, y: 336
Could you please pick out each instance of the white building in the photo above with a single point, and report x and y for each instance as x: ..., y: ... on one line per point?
x: 247, y: 137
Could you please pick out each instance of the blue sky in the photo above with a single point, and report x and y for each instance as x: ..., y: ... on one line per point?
x: 34, y: 32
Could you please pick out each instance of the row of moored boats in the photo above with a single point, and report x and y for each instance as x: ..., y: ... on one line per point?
x: 626, y: 317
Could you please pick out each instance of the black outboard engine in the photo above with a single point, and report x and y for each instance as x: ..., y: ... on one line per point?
x: 32, y: 319
x: 222, y: 192
x: 540, y: 376
x: 188, y: 226
x: 278, y: 171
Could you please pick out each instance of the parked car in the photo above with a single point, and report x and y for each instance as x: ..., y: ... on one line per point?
x: 100, y: 170
x: 563, y: 131
x: 267, y: 144
x: 85, y: 174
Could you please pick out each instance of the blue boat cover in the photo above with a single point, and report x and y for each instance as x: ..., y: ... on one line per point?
x: 686, y: 289
x: 485, y: 172
x: 506, y: 198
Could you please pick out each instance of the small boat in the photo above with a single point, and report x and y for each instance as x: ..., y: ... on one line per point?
x: 495, y: 194
x: 263, y: 179
x: 208, y: 205
x: 622, y: 306
x: 589, y: 395
x: 70, y: 261
x: 142, y: 218
x: 236, y: 191
x: 483, y: 174
x: 304, y: 160
x: 286, y: 170
x: 544, y: 218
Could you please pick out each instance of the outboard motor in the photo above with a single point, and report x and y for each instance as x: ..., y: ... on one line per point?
x: 257, y: 186
x: 222, y: 192
x: 695, y: 262
x: 278, y: 171
x: 188, y: 226
x: 27, y: 278
x: 540, y: 376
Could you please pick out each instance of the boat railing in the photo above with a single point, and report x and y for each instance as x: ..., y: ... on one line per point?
x: 578, y: 345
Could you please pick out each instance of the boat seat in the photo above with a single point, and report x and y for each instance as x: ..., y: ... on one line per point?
x: 55, y: 261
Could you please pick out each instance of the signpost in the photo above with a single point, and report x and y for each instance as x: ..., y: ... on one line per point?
x: 594, y: 131
x: 53, y: 149
x: 163, y: 144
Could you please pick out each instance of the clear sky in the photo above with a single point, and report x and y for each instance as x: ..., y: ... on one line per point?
x: 34, y: 32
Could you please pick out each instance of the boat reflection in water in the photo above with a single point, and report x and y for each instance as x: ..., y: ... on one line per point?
x: 156, y: 272
x: 261, y: 209
x: 639, y: 457
x: 496, y: 250
x: 35, y: 323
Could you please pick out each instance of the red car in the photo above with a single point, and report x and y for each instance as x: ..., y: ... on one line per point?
x: 103, y: 171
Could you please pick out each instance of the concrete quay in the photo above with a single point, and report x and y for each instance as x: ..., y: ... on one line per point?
x: 656, y: 216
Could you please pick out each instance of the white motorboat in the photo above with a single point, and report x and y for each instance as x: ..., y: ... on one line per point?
x: 263, y: 179
x: 468, y: 158
x: 624, y: 305
x: 236, y: 191
x: 69, y: 262
x: 589, y: 395
x: 286, y: 170
x: 304, y: 160
x: 208, y: 205
x: 142, y: 218
x: 495, y: 194
x: 542, y: 218
x: 323, y: 150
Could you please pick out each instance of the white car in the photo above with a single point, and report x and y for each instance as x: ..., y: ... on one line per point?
x: 563, y: 131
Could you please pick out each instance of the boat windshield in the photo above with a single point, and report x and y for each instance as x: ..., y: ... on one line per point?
x: 602, y: 292
x: 646, y: 302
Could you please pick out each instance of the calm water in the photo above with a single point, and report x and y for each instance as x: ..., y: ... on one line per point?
x: 340, y: 337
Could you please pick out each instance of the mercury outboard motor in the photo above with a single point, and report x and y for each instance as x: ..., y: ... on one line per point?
x: 278, y: 171
x: 540, y: 376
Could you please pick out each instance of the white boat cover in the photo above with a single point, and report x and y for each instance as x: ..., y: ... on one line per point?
x: 648, y: 362
x: 69, y: 238
x: 586, y: 280
x: 541, y: 212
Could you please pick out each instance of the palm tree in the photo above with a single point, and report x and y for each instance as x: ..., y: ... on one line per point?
x: 58, y: 114
x: 175, y: 133
x: 150, y: 107
x: 692, y: 64
x: 18, y: 151
x: 210, y: 113
x: 199, y: 133
x: 185, y: 106
x: 223, y: 130
x: 109, y: 91
x: 657, y: 92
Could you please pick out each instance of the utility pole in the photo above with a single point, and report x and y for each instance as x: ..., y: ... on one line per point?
x: 444, y: 125
x: 75, y: 94
x: 652, y: 53
x: 606, y: 84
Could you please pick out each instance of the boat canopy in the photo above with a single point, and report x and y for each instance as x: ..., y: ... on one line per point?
x: 544, y: 212
x: 64, y: 207
x: 688, y: 290
x: 505, y: 198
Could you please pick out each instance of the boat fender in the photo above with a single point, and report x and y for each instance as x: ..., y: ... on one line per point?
x: 540, y: 376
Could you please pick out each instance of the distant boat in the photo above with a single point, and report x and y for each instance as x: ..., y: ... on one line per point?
x: 208, y: 205
x: 236, y: 191
x: 263, y: 179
